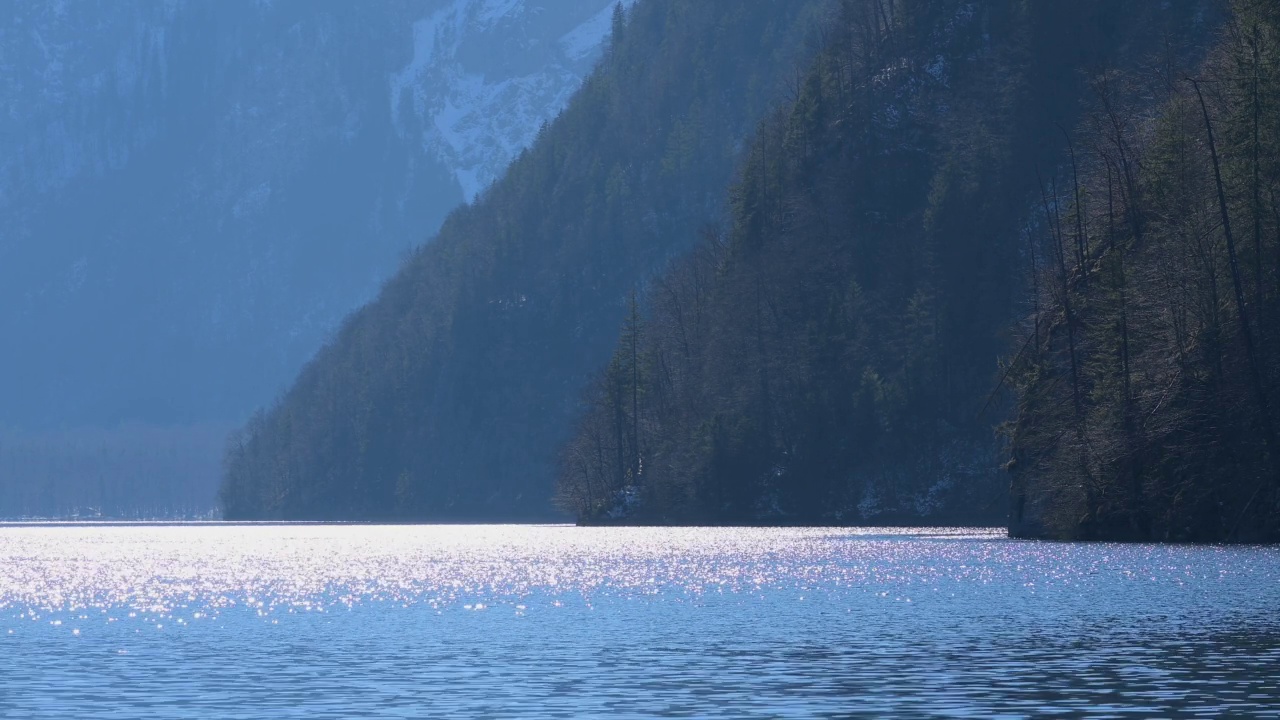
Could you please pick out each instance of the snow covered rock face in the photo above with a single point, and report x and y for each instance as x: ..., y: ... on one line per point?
x: 484, y: 73
x: 193, y: 195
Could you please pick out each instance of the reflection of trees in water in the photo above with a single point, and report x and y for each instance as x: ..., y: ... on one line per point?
x: 134, y: 471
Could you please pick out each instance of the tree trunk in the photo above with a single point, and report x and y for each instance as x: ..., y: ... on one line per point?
x: 1255, y: 372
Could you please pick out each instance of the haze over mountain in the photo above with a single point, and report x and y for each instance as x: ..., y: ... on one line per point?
x: 776, y: 262
x: 193, y: 194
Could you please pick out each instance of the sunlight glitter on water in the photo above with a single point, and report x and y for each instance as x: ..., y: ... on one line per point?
x: 156, y: 569
x: 557, y: 621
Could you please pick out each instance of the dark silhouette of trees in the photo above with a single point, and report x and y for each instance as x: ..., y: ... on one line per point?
x: 824, y: 348
x: 825, y: 356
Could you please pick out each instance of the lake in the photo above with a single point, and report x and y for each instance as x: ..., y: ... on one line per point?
x: 329, y: 621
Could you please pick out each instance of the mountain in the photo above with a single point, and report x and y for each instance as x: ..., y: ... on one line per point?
x: 734, y: 286
x: 193, y: 195
x: 829, y: 355
x: 447, y: 396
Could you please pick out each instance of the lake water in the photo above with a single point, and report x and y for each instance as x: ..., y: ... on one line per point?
x: 272, y: 621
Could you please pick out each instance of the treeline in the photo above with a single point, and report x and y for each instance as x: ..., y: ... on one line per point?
x: 922, y: 187
x: 447, y: 397
x: 133, y: 472
x: 1150, y: 376
x: 826, y: 354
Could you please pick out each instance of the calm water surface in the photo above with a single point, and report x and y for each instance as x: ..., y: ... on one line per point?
x: 271, y: 621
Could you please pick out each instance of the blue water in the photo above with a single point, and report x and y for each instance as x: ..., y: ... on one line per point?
x: 272, y: 621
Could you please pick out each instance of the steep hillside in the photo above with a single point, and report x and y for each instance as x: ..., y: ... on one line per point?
x: 447, y: 397
x: 1149, y: 381
x: 828, y: 356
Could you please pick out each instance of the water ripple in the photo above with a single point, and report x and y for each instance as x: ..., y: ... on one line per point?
x: 554, y: 621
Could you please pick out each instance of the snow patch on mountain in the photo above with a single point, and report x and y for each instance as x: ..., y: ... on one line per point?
x: 477, y: 114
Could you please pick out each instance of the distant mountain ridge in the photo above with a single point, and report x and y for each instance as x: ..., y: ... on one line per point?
x: 192, y: 195
x: 168, y: 170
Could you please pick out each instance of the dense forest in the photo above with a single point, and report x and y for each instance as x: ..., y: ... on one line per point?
x: 1150, y: 375
x: 839, y: 262
x: 447, y: 397
x: 829, y: 354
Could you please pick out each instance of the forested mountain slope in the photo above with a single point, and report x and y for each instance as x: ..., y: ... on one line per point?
x: 828, y: 354
x: 448, y: 396
x: 1150, y: 380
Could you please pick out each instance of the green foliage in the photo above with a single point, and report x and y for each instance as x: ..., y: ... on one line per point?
x: 1175, y: 311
